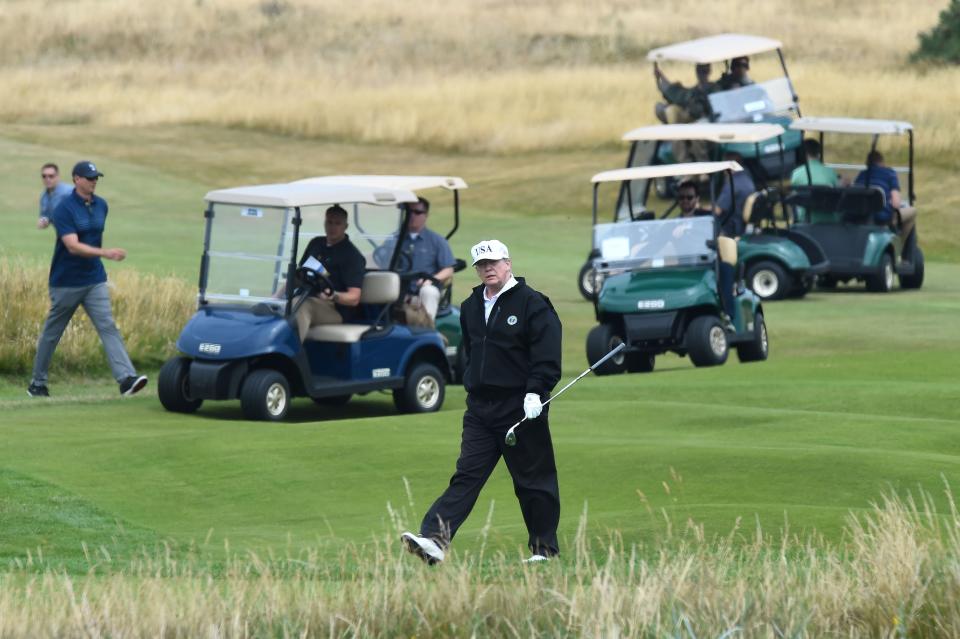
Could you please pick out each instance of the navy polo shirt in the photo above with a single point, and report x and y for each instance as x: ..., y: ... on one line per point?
x: 885, y: 178
x: 87, y: 220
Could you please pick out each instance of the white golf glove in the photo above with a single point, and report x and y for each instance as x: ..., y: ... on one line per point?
x: 532, y: 406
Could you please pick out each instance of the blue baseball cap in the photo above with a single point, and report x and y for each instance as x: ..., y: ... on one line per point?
x: 87, y: 169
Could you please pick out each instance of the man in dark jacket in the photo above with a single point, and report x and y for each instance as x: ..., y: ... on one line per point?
x: 511, y: 339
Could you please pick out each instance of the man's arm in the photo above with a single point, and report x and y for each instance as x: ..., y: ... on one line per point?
x: 545, y: 332
x: 76, y: 247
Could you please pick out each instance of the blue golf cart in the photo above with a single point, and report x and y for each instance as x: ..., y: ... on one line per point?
x: 242, y: 343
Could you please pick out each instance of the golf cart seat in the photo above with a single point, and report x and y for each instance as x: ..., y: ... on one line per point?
x: 758, y: 209
x: 858, y: 204
x: 379, y: 287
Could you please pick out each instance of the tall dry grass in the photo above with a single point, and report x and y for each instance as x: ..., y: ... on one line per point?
x: 149, y: 310
x: 896, y: 575
x: 489, y: 75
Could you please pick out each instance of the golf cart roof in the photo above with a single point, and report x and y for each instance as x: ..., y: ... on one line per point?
x: 288, y: 195
x: 711, y: 132
x: 408, y: 182
x: 862, y: 126
x: 724, y: 46
x: 665, y: 170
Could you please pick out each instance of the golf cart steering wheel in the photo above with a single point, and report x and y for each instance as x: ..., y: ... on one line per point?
x: 315, y: 281
x: 412, y: 276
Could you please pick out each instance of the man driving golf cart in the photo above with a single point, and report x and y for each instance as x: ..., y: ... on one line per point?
x: 867, y: 230
x: 662, y: 284
x: 243, y: 342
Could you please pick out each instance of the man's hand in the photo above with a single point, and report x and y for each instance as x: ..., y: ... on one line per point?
x: 43, y: 223
x: 115, y: 254
x: 532, y: 406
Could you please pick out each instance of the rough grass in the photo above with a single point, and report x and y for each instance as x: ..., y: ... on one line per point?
x: 149, y: 310
x: 893, y: 576
x: 478, y: 74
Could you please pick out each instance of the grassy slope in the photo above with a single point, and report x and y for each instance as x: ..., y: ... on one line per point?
x: 857, y: 395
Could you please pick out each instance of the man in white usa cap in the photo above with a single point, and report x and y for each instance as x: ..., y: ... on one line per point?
x: 511, y: 339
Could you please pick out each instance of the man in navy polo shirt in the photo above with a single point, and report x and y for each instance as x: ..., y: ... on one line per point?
x: 77, y: 277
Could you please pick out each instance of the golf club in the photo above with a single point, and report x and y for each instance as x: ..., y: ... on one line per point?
x: 511, y: 438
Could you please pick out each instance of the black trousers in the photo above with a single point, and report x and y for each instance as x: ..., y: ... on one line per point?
x: 531, y: 464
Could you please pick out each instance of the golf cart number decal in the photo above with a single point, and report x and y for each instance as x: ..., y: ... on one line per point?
x: 381, y: 372
x: 210, y: 349
x: 651, y: 304
x: 251, y: 212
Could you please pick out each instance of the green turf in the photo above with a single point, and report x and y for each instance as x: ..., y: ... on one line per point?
x: 859, y: 394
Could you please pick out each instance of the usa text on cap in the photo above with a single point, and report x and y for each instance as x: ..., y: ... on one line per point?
x: 489, y: 250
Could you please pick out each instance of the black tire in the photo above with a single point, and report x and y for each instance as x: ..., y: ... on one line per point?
x: 769, y: 280
x: 173, y: 387
x: 601, y: 340
x: 707, y: 341
x: 587, y: 282
x: 882, y: 282
x: 801, y: 287
x: 265, y: 396
x: 915, y: 280
x: 757, y: 349
x: 422, y: 392
x: 334, y: 400
x: 640, y: 362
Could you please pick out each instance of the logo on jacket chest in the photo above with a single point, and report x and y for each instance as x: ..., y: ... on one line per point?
x: 512, y: 320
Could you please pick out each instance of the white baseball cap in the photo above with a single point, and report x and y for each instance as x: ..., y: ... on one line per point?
x: 489, y: 250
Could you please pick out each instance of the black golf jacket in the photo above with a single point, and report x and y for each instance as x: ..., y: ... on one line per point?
x: 518, y: 349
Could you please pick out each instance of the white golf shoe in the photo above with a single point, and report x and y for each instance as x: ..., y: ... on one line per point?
x: 423, y: 547
x: 536, y: 559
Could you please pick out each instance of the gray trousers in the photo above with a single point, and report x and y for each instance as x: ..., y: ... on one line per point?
x: 95, y: 300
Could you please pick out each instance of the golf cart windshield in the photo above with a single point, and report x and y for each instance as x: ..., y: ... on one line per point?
x: 655, y: 244
x: 250, y: 246
x: 633, y: 193
x: 753, y: 102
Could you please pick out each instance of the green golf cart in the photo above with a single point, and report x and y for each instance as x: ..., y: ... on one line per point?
x: 661, y: 284
x: 777, y: 262
x: 848, y: 221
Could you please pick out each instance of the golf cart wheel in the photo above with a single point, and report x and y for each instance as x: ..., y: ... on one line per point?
x: 587, y: 282
x: 265, y: 395
x: 333, y: 400
x: 640, y: 362
x: 882, y: 282
x: 174, y: 386
x: 707, y: 341
x: 769, y: 280
x: 915, y: 280
x: 757, y: 349
x: 422, y: 392
x: 601, y: 340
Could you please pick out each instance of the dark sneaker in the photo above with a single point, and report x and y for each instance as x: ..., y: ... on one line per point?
x: 37, y: 390
x: 132, y: 385
x: 423, y: 547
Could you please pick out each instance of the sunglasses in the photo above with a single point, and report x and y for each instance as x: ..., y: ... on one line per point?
x: 89, y: 179
x: 687, y: 197
x: 418, y: 212
x: 48, y: 176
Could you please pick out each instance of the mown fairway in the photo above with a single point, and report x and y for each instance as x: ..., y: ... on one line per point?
x: 859, y: 394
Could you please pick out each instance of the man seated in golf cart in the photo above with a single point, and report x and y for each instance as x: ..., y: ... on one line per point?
x: 812, y: 172
x: 732, y: 224
x: 422, y: 251
x: 342, y: 264
x: 879, y: 175
x: 736, y: 76
x: 688, y: 200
